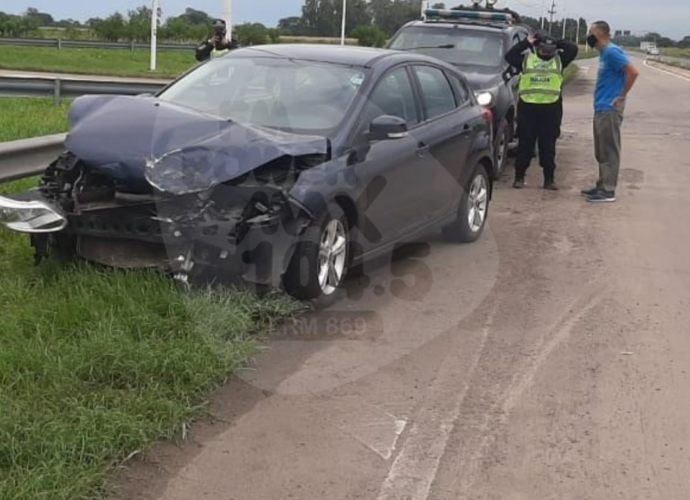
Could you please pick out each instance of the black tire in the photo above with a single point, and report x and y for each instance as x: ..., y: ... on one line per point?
x: 460, y: 231
x: 302, y: 277
x: 514, y: 139
x: 502, y: 148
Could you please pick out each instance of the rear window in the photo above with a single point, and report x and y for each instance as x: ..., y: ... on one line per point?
x: 469, y: 47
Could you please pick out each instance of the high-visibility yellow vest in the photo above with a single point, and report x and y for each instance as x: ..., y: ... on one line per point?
x: 541, y: 81
x: 217, y: 53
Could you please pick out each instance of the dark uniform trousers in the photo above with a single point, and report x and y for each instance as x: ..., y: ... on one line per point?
x: 538, y: 124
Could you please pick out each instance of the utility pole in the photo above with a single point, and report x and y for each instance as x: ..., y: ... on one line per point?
x: 577, y: 35
x: 227, y: 16
x: 425, y: 6
x: 565, y: 23
x: 552, y: 12
x: 155, y: 7
x: 543, y: 13
x: 342, y: 32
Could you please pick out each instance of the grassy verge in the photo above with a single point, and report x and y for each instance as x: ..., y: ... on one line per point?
x: 675, y: 52
x: 570, y: 73
x: 582, y: 55
x: 95, y: 61
x: 25, y: 118
x: 96, y: 365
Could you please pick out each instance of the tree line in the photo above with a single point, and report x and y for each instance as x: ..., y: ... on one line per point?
x: 372, y: 22
x: 134, y: 25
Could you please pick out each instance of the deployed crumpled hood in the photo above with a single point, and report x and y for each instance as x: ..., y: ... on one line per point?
x: 143, y: 140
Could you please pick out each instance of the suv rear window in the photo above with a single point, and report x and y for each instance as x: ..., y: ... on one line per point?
x: 470, y: 47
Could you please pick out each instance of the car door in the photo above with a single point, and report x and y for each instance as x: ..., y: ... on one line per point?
x: 448, y: 125
x: 391, y: 168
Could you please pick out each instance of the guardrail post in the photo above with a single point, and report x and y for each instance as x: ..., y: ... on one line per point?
x: 59, y: 43
x: 57, y: 96
x: 131, y: 46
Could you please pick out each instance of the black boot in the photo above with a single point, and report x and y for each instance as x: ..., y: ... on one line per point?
x: 550, y: 185
x: 519, y: 183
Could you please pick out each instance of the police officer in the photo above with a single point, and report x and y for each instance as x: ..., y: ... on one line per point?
x: 218, y: 44
x: 541, y: 60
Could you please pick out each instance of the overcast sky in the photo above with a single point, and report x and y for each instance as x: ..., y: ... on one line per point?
x: 671, y: 17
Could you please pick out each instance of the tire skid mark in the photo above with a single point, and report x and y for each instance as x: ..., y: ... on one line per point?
x: 414, y: 469
x: 497, y: 418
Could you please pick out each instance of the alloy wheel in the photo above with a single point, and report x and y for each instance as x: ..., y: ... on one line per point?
x: 332, y: 257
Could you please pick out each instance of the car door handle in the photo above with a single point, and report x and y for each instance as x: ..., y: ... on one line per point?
x: 422, y: 149
x: 465, y: 130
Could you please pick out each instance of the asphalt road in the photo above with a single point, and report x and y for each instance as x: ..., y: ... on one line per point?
x: 551, y: 360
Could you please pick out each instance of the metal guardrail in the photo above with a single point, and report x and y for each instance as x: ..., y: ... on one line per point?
x: 25, y: 158
x: 58, y: 43
x: 59, y: 88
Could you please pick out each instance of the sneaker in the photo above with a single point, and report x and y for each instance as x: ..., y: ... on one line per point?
x: 550, y: 186
x: 589, y: 192
x: 519, y: 184
x: 602, y: 197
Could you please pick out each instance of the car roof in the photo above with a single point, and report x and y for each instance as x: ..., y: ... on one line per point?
x: 335, y: 54
x: 348, y: 55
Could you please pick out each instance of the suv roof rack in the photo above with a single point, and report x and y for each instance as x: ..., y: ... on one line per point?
x: 473, y: 15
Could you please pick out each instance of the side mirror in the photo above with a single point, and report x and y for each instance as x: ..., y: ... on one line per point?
x: 387, y: 127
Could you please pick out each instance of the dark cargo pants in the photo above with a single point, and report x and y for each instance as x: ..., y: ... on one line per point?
x: 538, y: 123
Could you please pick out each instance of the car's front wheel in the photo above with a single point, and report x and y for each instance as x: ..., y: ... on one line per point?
x: 473, y: 211
x: 319, y: 266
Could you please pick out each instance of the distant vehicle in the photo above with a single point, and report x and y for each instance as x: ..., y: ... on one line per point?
x: 284, y: 165
x: 475, y: 40
x: 653, y: 51
x: 647, y: 47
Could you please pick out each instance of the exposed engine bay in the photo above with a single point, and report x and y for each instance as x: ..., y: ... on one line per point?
x: 245, y: 227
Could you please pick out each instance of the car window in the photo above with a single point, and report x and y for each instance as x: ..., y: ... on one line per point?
x: 461, y: 47
x: 437, y: 92
x: 393, y: 96
x: 463, y: 93
x: 288, y: 95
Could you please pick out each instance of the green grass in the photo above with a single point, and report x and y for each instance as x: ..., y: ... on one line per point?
x: 24, y: 118
x: 674, y: 52
x: 96, y: 365
x: 570, y: 73
x: 95, y: 61
x: 587, y: 55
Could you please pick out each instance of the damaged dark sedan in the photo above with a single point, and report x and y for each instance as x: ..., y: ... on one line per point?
x: 283, y: 165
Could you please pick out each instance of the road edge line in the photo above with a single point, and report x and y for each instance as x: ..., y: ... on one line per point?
x: 667, y: 72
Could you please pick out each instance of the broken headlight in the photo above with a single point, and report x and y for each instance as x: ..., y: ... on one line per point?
x: 30, y: 216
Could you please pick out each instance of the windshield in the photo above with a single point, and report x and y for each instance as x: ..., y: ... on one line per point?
x: 469, y: 47
x: 298, y: 97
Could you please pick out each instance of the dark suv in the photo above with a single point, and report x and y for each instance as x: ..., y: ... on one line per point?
x: 476, y: 41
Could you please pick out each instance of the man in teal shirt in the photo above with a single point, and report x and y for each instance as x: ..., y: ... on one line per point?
x: 616, y: 78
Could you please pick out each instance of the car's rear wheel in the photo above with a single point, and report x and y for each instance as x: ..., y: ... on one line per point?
x: 320, y: 263
x: 502, y: 145
x: 473, y: 211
